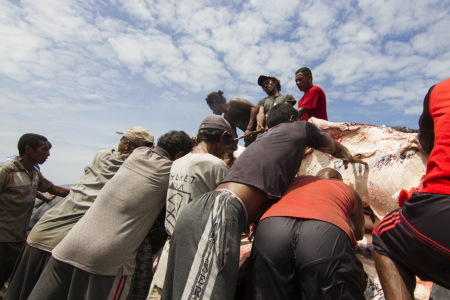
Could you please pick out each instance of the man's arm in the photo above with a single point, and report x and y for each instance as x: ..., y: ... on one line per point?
x: 44, y: 198
x: 330, y: 146
x: 302, y: 111
x: 59, y: 191
x: 242, y: 105
x: 260, y: 118
x: 426, y: 125
x: 356, y: 218
x: 233, y: 130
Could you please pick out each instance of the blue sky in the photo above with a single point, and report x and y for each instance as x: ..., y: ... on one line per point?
x: 76, y: 71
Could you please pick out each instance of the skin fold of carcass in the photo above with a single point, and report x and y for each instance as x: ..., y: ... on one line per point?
x: 396, y: 161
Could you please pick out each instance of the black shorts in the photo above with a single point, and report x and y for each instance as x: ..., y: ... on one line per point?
x: 303, y: 259
x: 416, y: 236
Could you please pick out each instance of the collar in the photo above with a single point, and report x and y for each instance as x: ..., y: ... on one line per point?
x: 162, y: 152
x: 18, y: 164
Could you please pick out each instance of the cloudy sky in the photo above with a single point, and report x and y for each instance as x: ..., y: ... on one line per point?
x: 76, y: 71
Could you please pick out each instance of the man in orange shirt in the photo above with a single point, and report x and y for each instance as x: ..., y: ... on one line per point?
x: 305, y: 243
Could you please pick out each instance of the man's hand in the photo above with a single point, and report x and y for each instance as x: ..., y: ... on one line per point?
x: 355, y: 159
x: 248, y: 131
x: 260, y: 128
x: 301, y: 112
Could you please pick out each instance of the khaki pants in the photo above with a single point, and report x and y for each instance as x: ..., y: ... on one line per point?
x: 154, y: 293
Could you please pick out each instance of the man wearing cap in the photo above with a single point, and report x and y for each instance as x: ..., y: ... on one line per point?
x: 313, y: 103
x: 191, y: 176
x: 59, y: 220
x: 272, y: 87
x: 96, y: 259
x: 203, y: 259
x: 19, y: 182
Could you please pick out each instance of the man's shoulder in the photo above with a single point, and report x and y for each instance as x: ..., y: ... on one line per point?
x: 317, y: 89
x: 202, y: 160
x: 287, y: 97
x: 262, y: 101
x: 109, y: 154
x: 9, y: 166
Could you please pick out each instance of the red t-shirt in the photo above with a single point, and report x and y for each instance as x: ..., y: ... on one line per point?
x: 308, y: 197
x: 437, y: 179
x: 314, y: 99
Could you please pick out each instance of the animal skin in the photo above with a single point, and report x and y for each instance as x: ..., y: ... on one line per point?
x: 396, y: 162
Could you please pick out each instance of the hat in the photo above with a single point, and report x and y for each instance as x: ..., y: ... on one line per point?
x: 139, y: 135
x: 263, y: 78
x: 215, y: 122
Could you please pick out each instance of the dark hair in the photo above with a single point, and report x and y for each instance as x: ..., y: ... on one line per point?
x: 281, y: 113
x: 278, y: 84
x: 212, y: 135
x: 31, y: 139
x: 305, y: 70
x: 174, y: 142
x: 215, y: 97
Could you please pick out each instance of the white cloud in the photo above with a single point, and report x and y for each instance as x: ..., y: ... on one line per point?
x: 77, y: 65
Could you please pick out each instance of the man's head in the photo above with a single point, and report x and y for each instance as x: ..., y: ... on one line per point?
x: 214, y: 100
x: 135, y: 137
x: 176, y: 143
x: 270, y: 84
x: 36, y: 147
x: 281, y: 113
x: 304, y: 79
x: 216, y: 130
x: 329, y: 173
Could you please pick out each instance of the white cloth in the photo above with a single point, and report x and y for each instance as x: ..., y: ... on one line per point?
x: 108, y: 236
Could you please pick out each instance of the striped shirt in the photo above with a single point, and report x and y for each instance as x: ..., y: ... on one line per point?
x: 17, y: 194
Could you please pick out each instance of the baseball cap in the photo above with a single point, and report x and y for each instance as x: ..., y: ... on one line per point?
x: 138, y: 135
x: 215, y: 122
x: 262, y: 78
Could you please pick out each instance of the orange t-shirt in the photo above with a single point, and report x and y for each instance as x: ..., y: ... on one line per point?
x: 308, y: 197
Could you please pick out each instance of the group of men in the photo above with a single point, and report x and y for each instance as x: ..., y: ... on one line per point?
x: 251, y: 119
x: 86, y: 247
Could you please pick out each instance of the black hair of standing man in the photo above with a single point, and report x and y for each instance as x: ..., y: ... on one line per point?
x: 33, y: 140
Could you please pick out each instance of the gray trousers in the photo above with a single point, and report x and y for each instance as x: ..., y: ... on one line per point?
x: 204, y: 251
x: 63, y: 281
x: 29, y: 267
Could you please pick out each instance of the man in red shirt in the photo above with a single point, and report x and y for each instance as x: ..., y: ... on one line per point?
x: 305, y: 243
x: 313, y: 103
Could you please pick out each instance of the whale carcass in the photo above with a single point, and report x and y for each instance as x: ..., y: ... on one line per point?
x: 396, y: 161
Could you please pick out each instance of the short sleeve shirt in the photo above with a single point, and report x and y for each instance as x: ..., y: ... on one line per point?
x: 59, y: 220
x: 107, y: 237
x: 17, y: 194
x: 271, y: 101
x: 314, y: 100
x: 272, y: 161
x: 191, y: 176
